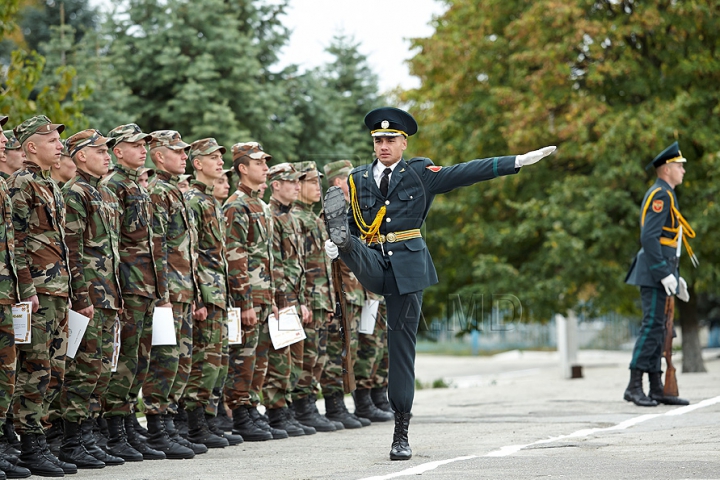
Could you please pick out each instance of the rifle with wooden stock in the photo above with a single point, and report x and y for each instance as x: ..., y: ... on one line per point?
x: 671, y: 387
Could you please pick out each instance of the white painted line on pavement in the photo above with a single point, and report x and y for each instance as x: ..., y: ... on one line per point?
x: 511, y: 449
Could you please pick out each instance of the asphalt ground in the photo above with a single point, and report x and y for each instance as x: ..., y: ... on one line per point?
x: 506, y: 416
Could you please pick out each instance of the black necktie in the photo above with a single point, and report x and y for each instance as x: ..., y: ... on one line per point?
x: 384, y: 181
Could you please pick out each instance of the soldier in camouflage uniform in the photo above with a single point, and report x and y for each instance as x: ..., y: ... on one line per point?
x: 91, y: 227
x: 355, y: 295
x: 9, y: 295
x: 41, y: 258
x: 250, y: 264
x: 64, y: 169
x: 139, y: 289
x: 174, y: 245
x: 319, y: 297
x: 289, y: 280
x: 209, y: 334
x: 14, y: 157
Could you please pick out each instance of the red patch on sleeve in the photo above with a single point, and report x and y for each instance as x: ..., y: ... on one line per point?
x: 434, y: 168
x: 657, y: 206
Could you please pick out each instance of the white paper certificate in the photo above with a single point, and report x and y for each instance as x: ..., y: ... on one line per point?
x: 234, y: 326
x: 287, y: 329
x: 116, y: 345
x: 368, y: 317
x: 163, y: 330
x: 77, y: 324
x: 22, y: 313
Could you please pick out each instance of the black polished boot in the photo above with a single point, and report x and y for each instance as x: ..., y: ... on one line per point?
x: 181, y: 422
x: 244, y: 426
x: 72, y: 449
x: 364, y: 407
x: 100, y: 431
x: 230, y: 437
x: 657, y: 391
x: 54, y: 436
x: 117, y: 444
x: 88, y: 439
x: 634, y: 392
x: 7, y: 451
x: 400, y: 447
x: 8, y: 431
x: 67, y: 468
x: 139, y: 429
x: 335, y: 209
x: 279, y: 420
x: 137, y: 442
x: 305, y: 414
x: 262, y: 421
x: 336, y: 411
x: 159, y: 439
x: 198, y: 448
x: 222, y: 420
x: 290, y: 414
x: 33, y: 458
x: 380, y: 399
x: 199, y: 432
x: 12, y: 470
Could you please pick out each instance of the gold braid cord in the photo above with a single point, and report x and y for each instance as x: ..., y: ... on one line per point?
x: 677, y: 220
x: 366, y: 231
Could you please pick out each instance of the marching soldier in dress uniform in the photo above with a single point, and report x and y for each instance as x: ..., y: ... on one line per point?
x: 383, y: 246
x: 655, y: 271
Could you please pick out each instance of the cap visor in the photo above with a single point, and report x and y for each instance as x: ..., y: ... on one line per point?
x: 136, y: 138
x: 387, y: 134
x: 3, y: 120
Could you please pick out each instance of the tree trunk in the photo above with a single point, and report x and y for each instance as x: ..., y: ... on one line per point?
x: 692, y: 350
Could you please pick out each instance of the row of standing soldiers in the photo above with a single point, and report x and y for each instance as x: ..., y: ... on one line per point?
x: 113, y: 250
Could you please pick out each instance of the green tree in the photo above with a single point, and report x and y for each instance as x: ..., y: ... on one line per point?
x: 611, y: 83
x: 36, y: 21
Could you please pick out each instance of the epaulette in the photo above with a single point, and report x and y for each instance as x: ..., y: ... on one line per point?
x: 360, y: 168
x: 417, y: 159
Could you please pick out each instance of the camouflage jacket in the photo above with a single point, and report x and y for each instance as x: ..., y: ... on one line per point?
x: 39, y: 221
x: 4, y: 176
x: 9, y: 292
x: 138, y: 275
x: 174, y: 240
x: 212, y: 269
x: 92, y: 229
x: 288, y: 274
x: 249, y: 244
x: 318, y: 288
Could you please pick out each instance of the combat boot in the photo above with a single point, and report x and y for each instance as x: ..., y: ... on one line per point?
x: 117, y: 444
x: 400, y: 449
x: 365, y: 408
x: 222, y: 421
x: 657, y: 391
x: 634, y: 392
x: 139, y: 429
x: 290, y: 415
x: 380, y: 399
x: 72, y: 449
x: 335, y: 209
x: 198, y: 448
x: 7, y: 451
x: 135, y: 439
x: 33, y: 458
x: 8, y: 430
x: 243, y: 425
x: 66, y: 467
x: 159, y: 439
x: 305, y: 414
x: 88, y: 439
x: 181, y: 422
x: 336, y: 411
x: 199, y: 432
x: 262, y: 421
x: 279, y: 420
x: 230, y: 437
x: 100, y: 431
x: 11, y: 470
x: 54, y: 436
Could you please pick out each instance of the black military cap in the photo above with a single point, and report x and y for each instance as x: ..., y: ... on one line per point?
x: 671, y: 154
x: 390, y: 122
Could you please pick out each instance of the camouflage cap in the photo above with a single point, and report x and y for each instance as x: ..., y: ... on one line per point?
x: 282, y: 171
x: 12, y: 143
x: 39, y: 124
x: 169, y: 139
x: 205, y: 146
x: 307, y: 169
x: 87, y: 138
x: 184, y: 177
x: 129, y: 132
x: 341, y: 168
x: 3, y: 120
x: 65, y: 152
x: 249, y: 149
x: 147, y: 170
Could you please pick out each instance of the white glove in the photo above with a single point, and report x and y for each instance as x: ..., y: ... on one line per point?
x: 533, y: 157
x: 331, y: 249
x: 683, y: 293
x: 670, y: 283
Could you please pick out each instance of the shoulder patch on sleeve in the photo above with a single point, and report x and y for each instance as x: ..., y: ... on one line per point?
x: 657, y: 206
x: 434, y: 168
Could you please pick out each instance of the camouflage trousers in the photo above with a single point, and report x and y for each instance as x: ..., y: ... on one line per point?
x: 83, y: 372
x: 206, y: 359
x: 185, y: 347
x: 331, y: 378
x: 110, y: 321
x: 163, y: 377
x: 246, y: 362
x: 7, y: 360
x: 41, y: 365
x: 369, y: 352
x: 218, y: 392
x: 296, y: 368
x: 314, y: 355
x: 135, y: 344
x: 277, y: 381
